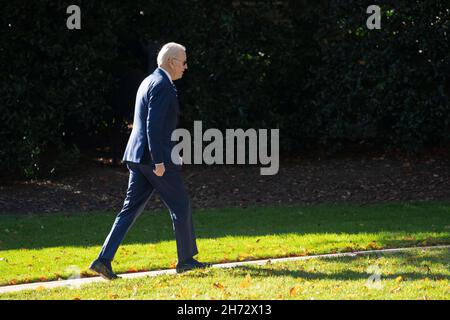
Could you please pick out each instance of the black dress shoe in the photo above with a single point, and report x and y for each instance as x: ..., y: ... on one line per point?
x: 191, y: 264
x: 103, y: 269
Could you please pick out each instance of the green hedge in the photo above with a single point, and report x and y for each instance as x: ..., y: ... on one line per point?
x: 53, y: 83
x: 311, y: 69
x: 390, y: 86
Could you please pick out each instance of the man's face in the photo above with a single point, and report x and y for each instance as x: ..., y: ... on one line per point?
x: 179, y: 65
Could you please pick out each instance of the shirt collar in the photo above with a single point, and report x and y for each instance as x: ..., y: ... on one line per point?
x: 167, y: 74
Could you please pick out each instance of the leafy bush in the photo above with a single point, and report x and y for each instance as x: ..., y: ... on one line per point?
x: 389, y: 86
x: 312, y: 69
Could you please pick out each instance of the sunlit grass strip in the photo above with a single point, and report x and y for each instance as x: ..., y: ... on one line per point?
x: 418, y: 274
x: 48, y: 247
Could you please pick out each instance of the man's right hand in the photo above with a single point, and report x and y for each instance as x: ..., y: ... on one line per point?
x: 159, y: 169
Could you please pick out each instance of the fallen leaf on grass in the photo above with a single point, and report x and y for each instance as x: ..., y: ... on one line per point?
x: 292, y: 254
x: 183, y: 292
x: 218, y: 285
x: 399, y: 279
x: 372, y: 246
x: 246, y: 282
x: 243, y: 256
x: 43, y: 278
x: 85, y: 274
x: 397, y: 289
x: 294, y: 291
x: 132, y: 270
x: 112, y: 296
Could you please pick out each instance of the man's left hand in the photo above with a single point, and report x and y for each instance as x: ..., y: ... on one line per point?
x: 159, y: 169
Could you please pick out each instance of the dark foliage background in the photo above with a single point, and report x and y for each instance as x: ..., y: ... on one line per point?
x: 312, y: 69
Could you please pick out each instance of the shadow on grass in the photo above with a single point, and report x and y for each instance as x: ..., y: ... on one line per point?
x: 84, y: 230
x: 343, y: 275
x: 423, y: 265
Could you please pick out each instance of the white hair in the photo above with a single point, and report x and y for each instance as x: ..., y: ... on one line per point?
x: 169, y: 50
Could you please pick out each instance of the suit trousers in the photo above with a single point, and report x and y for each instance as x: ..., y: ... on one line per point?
x: 141, y: 185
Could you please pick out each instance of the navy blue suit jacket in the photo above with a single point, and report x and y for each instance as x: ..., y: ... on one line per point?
x: 155, y: 117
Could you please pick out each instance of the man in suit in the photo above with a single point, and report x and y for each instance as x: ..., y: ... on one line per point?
x: 148, y: 158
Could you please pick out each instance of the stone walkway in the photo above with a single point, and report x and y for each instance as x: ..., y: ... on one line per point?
x: 76, y: 283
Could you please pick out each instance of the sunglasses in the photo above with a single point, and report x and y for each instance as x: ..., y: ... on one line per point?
x: 184, y: 62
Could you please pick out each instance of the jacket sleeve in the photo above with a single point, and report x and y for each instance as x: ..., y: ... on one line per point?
x: 158, y: 105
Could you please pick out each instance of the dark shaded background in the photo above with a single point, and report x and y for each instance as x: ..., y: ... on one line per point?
x: 311, y: 69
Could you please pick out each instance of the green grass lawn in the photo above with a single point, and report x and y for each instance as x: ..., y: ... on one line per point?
x: 50, y: 246
x: 417, y: 274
